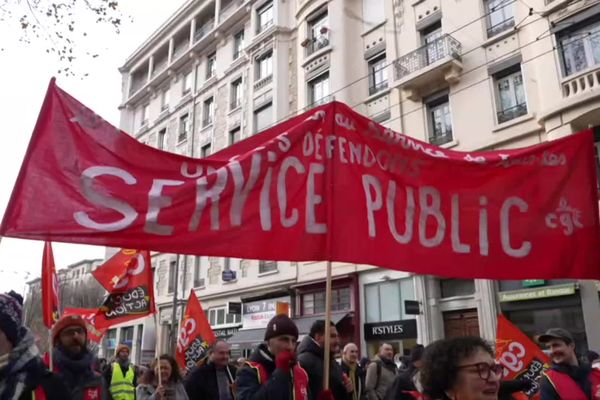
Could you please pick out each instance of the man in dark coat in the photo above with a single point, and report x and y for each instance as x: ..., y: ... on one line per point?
x: 406, y: 385
x: 272, y: 373
x: 23, y: 374
x: 310, y: 357
x: 213, y: 380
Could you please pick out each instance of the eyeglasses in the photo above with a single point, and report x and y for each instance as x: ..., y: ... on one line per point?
x: 484, y: 369
x: 72, y: 331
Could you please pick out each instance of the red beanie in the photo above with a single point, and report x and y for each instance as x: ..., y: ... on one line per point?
x: 65, y: 322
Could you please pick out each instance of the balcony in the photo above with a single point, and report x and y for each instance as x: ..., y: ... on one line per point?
x: 512, y: 113
x: 581, y: 83
x: 203, y: 30
x: 261, y: 83
x: 500, y: 27
x: 439, y: 139
x: 428, y: 68
x: 315, y: 44
x: 377, y: 87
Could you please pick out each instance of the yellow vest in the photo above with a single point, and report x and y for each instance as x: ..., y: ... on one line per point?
x: 121, y: 387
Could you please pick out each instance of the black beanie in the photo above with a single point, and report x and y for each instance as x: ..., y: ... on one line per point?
x: 279, y: 325
x: 11, y: 313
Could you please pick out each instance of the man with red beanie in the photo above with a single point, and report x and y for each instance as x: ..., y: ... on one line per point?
x: 73, y: 362
x: 272, y: 371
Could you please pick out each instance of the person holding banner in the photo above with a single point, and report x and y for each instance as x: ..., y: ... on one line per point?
x: 23, y: 375
x: 567, y: 379
x: 272, y: 371
x: 164, y: 382
x: 73, y: 362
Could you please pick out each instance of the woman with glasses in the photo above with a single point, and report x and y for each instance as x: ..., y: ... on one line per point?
x: 463, y: 368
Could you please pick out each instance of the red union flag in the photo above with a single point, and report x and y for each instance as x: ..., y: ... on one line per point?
x: 127, y: 276
x: 195, y: 335
x: 521, y: 358
x: 89, y: 315
x: 329, y: 184
x: 50, y: 302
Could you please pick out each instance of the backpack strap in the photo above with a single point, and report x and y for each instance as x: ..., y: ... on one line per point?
x: 378, y: 363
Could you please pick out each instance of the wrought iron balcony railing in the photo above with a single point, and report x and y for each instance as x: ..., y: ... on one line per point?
x: 444, y: 46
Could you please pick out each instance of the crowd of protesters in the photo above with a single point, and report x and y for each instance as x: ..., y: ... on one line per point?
x: 461, y: 368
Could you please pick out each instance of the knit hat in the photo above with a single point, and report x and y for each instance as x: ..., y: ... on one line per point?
x: 65, y: 322
x: 279, y: 325
x: 120, y: 347
x: 11, y: 314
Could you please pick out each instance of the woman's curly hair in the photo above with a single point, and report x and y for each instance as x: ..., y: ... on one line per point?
x: 441, y: 360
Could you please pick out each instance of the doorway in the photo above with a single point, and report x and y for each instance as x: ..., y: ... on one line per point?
x: 461, y: 323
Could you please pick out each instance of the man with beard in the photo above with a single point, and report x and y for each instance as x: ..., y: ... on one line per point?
x: 121, y: 376
x: 73, y: 363
x: 23, y: 375
x: 272, y: 371
x: 567, y: 379
x: 310, y: 357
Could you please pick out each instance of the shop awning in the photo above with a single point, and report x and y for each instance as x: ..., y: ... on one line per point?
x: 305, y: 323
x: 248, y: 336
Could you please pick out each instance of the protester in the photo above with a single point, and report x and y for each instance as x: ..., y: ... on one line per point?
x: 364, y: 363
x: 310, y: 357
x: 381, y: 373
x: 121, y: 375
x: 169, y: 387
x: 567, y: 378
x: 144, y: 387
x: 353, y: 371
x: 460, y: 368
x: 73, y: 362
x: 272, y: 371
x: 23, y: 375
x: 214, y: 379
x: 407, y: 384
x: 241, y: 362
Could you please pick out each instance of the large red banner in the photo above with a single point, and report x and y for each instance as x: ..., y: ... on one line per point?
x: 329, y: 184
x: 521, y: 358
x: 50, y: 302
x: 195, y: 335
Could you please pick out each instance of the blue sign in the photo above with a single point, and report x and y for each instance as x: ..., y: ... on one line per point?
x: 229, y: 275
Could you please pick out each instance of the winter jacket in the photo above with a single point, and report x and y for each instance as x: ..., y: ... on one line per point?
x: 508, y: 388
x: 380, y: 377
x: 81, y: 380
x: 278, y: 386
x: 580, y: 375
x: 175, y: 391
x: 310, y: 357
x: 403, y: 383
x: 201, y: 383
x: 359, y: 385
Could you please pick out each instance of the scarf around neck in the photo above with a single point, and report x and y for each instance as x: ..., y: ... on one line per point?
x: 17, y: 365
x: 75, y: 372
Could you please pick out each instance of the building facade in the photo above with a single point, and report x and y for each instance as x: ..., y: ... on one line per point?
x: 219, y: 71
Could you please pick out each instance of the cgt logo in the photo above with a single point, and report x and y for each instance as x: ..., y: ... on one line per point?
x: 135, y: 266
x: 185, y: 333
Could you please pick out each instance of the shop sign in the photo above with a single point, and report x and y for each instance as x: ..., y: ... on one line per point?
x: 533, y: 282
x: 391, y: 330
x: 225, y: 333
x: 542, y: 293
x: 256, y: 314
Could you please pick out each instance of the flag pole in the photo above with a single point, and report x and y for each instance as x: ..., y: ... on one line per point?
x: 50, y: 361
x: 157, y: 346
x: 327, y: 350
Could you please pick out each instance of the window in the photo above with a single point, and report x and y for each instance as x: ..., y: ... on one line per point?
x: 385, y: 301
x: 440, y: 123
x: 500, y: 16
x: 164, y: 99
x: 432, y: 38
x: 197, y: 271
x: 126, y: 335
x: 162, y: 139
x: 211, y: 65
x: 144, y: 111
x: 314, y: 303
x: 457, y: 287
x: 235, y: 135
x: 187, y: 83
x: 377, y: 74
x: 236, y: 94
x: 318, y: 33
x: 510, y: 94
x: 238, y: 45
x: 264, y: 66
x: 265, y: 17
x: 263, y: 118
x: 208, y: 111
x: 110, y: 341
x: 184, y: 127
x: 580, y: 48
x: 267, y: 266
x: 172, y: 271
x: 218, y: 317
x: 318, y: 90
x: 205, y: 151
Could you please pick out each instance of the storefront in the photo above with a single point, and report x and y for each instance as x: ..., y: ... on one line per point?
x: 401, y: 334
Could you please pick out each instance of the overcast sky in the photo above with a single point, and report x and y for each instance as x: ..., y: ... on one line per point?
x: 24, y: 74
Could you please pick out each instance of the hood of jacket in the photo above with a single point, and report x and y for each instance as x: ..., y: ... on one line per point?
x: 308, y: 345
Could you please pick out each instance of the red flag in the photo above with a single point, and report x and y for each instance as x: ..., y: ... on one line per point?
x: 95, y: 334
x: 522, y: 359
x: 127, y: 276
x: 528, y: 213
x: 50, y: 303
x: 195, y: 335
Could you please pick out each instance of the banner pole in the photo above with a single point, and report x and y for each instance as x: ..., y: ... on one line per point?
x: 327, y: 350
x: 50, y: 362
x: 157, y: 346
